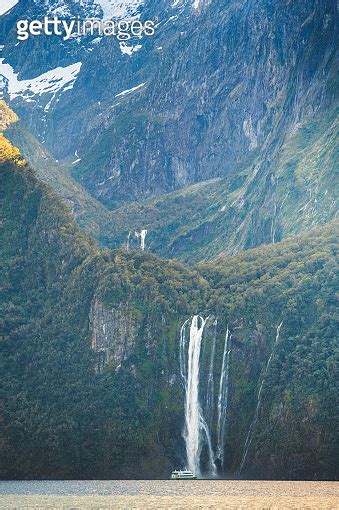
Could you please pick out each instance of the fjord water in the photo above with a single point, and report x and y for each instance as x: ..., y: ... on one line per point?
x: 221, y: 494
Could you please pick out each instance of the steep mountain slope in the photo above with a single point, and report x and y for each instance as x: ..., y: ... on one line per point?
x: 90, y: 350
x: 87, y: 211
x: 233, y: 84
x: 214, y: 87
x: 238, y: 112
x: 37, y: 73
x: 263, y: 203
x: 217, y: 135
x: 294, y: 193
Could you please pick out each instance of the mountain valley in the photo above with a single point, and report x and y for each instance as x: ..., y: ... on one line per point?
x: 168, y: 222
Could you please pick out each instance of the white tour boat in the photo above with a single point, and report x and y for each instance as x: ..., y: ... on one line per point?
x: 183, y: 475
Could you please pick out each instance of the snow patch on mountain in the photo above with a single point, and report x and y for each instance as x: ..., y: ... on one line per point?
x: 71, y: 8
x: 116, y: 9
x: 6, y: 5
x: 129, y: 50
x: 198, y: 4
x: 129, y: 91
x: 55, y: 8
x: 51, y: 82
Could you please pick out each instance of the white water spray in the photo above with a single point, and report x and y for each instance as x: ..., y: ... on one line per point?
x: 192, y: 407
x: 194, y: 421
x: 249, y: 437
x: 223, y: 398
x: 142, y: 236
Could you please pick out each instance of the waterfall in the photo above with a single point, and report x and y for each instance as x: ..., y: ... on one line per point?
x: 273, y: 226
x: 182, y: 353
x: 128, y: 240
x: 194, y: 420
x: 212, y: 466
x: 223, y: 398
x: 210, y: 380
x: 249, y: 437
x: 143, y: 235
x: 192, y: 407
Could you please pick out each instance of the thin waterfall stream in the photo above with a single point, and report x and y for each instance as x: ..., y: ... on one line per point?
x: 210, y: 380
x: 250, y: 433
x: 223, y: 398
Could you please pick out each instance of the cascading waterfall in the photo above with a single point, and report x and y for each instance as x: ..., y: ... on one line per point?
x: 194, y: 420
x: 192, y: 407
x: 249, y: 437
x: 143, y: 235
x: 223, y: 398
x: 210, y: 380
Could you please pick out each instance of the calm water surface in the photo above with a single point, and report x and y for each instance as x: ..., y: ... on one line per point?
x: 201, y: 494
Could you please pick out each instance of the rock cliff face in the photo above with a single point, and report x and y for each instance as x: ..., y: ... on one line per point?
x: 213, y: 88
x: 114, y: 333
x: 66, y: 304
x: 233, y: 107
x: 231, y: 110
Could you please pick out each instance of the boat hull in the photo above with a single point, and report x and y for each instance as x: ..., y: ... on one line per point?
x: 181, y: 479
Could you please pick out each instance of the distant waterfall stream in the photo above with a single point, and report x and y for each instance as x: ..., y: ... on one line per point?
x: 195, y: 423
x: 223, y: 398
x: 250, y: 433
x: 210, y: 380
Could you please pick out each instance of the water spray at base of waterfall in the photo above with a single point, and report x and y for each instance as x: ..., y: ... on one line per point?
x: 250, y: 433
x: 194, y: 420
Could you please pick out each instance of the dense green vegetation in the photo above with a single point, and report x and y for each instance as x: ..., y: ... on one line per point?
x: 57, y: 413
x: 295, y: 283
x: 258, y: 203
x: 218, y: 136
x: 88, y: 212
x: 61, y: 418
x: 263, y: 201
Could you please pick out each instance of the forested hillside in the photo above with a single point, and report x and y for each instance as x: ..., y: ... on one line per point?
x: 90, y: 349
x: 168, y: 221
x: 295, y: 192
